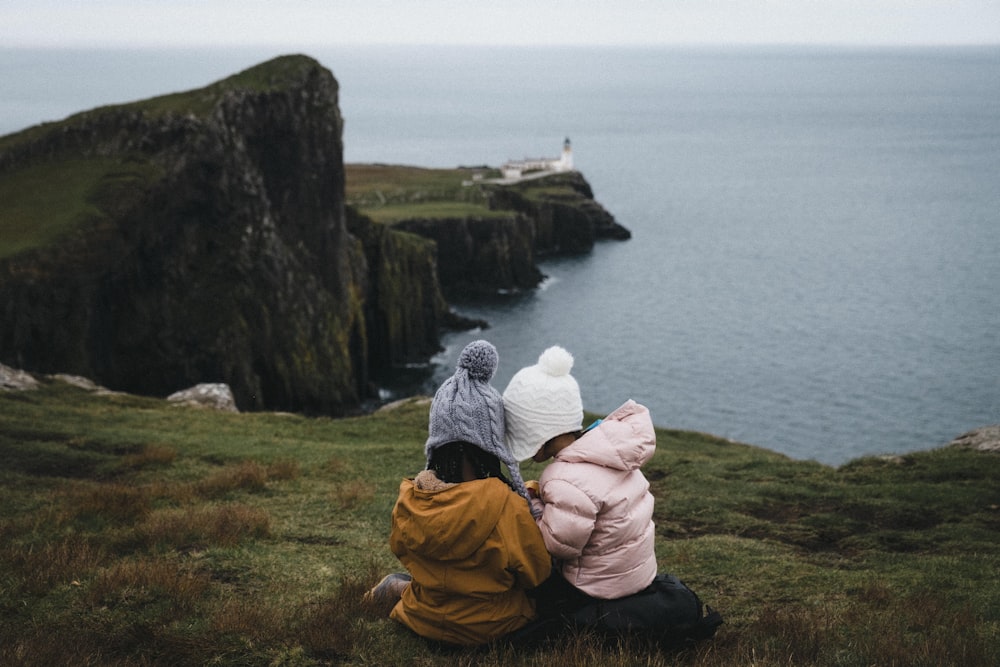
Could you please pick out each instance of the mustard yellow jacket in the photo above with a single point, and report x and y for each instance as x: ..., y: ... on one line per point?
x: 473, y: 549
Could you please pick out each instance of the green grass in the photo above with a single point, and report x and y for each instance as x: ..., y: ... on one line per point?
x: 46, y: 201
x: 363, y: 179
x: 391, y: 213
x: 390, y: 193
x: 143, y: 534
x: 542, y: 190
x: 273, y: 75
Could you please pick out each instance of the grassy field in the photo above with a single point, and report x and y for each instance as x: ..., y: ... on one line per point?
x: 137, y: 533
x: 388, y: 193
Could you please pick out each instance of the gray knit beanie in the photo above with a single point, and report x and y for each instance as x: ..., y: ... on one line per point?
x: 466, y: 408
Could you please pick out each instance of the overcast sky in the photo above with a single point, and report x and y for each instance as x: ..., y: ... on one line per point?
x: 499, y: 22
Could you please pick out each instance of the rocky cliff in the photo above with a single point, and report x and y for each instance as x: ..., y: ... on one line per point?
x: 567, y: 218
x: 504, y: 228
x: 208, y: 241
x: 477, y: 255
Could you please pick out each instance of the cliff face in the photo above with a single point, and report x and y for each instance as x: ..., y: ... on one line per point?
x: 212, y: 245
x: 403, y: 305
x: 566, y: 217
x: 481, y: 255
x: 553, y: 215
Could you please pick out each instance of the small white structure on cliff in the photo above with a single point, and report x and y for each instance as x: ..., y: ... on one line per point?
x: 518, y: 168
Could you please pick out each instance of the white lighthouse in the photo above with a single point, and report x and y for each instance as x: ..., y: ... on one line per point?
x: 515, y: 169
x: 566, y: 161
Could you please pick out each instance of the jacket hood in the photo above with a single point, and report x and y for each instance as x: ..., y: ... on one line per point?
x: 449, y: 521
x: 624, y: 440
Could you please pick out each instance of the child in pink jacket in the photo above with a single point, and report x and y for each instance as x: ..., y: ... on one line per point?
x: 596, y: 508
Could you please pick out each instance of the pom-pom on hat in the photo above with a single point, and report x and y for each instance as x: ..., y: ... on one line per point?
x: 541, y: 402
x: 467, y: 408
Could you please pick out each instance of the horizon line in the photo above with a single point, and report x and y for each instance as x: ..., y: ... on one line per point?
x: 120, y: 46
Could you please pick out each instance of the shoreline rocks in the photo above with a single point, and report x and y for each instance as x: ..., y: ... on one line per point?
x: 984, y: 439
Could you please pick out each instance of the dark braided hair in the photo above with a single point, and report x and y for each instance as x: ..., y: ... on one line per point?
x: 447, y: 462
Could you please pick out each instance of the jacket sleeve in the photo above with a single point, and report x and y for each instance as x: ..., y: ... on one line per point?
x: 567, y: 520
x: 400, y: 515
x: 528, y: 559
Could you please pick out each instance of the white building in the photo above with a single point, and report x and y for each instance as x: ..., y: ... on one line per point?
x: 518, y: 168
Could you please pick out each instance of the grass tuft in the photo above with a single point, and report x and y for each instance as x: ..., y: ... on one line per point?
x: 33, y: 569
x: 133, y: 583
x: 284, y: 469
x: 245, y: 476
x: 328, y: 628
x: 201, y: 527
x: 351, y: 494
x: 150, y: 456
x: 114, y: 502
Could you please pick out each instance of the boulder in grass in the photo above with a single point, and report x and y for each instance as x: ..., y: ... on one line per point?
x: 13, y: 379
x: 214, y: 395
x: 84, y: 383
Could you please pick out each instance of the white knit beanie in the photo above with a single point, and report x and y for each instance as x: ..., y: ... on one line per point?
x: 541, y: 402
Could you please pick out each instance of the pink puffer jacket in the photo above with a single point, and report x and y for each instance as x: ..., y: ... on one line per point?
x: 597, y: 511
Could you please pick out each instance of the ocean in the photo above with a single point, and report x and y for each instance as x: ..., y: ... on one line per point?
x: 815, y: 260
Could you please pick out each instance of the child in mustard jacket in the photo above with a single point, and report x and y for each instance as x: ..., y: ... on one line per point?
x: 463, y: 531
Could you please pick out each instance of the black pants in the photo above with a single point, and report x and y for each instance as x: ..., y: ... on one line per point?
x: 557, y: 597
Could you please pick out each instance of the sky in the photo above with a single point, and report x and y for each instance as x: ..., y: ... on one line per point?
x: 183, y: 23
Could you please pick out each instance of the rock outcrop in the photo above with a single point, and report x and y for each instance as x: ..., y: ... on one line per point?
x: 209, y: 243
x: 566, y: 216
x: 209, y: 395
x: 984, y: 439
x: 553, y: 215
x: 14, y: 379
x: 477, y: 255
x: 403, y: 305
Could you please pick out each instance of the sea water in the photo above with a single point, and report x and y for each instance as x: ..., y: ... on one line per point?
x: 815, y: 261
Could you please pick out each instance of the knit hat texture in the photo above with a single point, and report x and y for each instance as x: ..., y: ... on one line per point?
x: 541, y: 402
x: 467, y: 408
